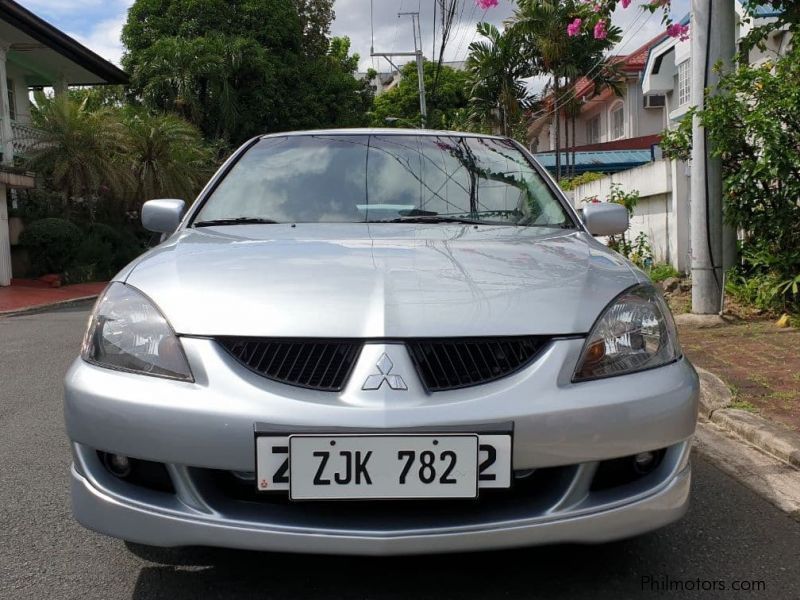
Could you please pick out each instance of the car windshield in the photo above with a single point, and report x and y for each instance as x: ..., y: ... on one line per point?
x: 383, y: 179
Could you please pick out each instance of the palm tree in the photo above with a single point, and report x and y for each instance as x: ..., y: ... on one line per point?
x: 172, y: 74
x: 541, y: 27
x: 77, y: 148
x: 495, y: 68
x: 165, y: 157
x: 607, y: 75
x: 202, y: 79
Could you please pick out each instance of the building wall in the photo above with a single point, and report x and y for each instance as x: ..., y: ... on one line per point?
x: 639, y: 121
x: 21, y: 98
x: 662, y: 211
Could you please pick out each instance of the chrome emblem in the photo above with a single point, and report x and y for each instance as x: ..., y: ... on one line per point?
x: 376, y: 381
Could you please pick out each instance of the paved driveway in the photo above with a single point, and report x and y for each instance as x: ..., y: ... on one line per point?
x: 730, y: 535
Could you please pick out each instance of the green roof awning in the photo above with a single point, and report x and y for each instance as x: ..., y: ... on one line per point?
x: 599, y: 161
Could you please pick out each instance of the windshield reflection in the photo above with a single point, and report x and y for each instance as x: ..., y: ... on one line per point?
x: 384, y: 178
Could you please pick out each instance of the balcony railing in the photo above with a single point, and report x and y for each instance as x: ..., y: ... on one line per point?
x: 24, y: 137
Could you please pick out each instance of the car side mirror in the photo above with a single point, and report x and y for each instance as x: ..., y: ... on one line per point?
x: 162, y: 216
x: 605, y: 218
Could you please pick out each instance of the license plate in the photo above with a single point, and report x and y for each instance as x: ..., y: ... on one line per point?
x: 373, y: 466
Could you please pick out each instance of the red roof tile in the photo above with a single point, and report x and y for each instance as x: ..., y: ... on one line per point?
x: 638, y: 143
x: 631, y: 63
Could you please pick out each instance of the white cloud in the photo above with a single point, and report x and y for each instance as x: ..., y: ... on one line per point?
x: 68, y: 6
x: 393, y: 34
x: 104, y: 38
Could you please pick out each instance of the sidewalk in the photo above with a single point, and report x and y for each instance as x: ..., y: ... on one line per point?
x: 24, y: 295
x: 758, y: 361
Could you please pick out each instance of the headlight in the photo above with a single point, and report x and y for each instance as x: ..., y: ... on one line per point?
x: 127, y: 332
x: 635, y: 332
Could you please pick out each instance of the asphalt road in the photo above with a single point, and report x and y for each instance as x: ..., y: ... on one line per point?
x: 730, y: 534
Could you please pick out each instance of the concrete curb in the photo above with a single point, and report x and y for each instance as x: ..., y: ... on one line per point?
x: 39, y: 308
x: 715, y: 402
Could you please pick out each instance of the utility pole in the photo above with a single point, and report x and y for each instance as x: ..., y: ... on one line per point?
x: 415, y: 26
x: 712, y: 41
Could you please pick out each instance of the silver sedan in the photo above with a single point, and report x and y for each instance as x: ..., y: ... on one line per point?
x: 380, y: 342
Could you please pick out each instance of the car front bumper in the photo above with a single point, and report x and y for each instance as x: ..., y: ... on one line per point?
x: 562, y: 431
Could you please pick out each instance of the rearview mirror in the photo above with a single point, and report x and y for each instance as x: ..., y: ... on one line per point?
x: 605, y: 218
x: 162, y: 216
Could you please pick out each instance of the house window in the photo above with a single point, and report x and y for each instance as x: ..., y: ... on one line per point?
x: 12, y: 103
x: 618, y: 122
x: 593, y: 130
x: 684, y: 83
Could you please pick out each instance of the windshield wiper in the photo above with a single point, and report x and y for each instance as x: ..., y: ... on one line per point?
x: 430, y: 219
x: 529, y: 223
x: 235, y: 221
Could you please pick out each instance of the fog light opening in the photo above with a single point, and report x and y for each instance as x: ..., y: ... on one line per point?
x: 119, y: 465
x: 246, y: 476
x: 644, y: 462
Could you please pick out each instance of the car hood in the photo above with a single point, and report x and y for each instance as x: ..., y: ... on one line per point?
x: 380, y: 281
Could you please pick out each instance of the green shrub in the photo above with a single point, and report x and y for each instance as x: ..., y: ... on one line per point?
x: 51, y: 244
x: 767, y: 280
x: 103, y: 251
x: 35, y: 204
x: 571, y: 183
x: 766, y: 291
x: 662, y: 271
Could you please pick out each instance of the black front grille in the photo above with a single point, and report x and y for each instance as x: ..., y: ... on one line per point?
x: 316, y: 364
x: 449, y: 364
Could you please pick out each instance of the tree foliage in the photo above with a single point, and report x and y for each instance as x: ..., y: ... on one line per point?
x: 548, y: 49
x: 400, y: 105
x: 753, y: 125
x: 75, y: 147
x: 164, y: 157
x: 786, y: 14
x: 496, y: 68
x: 120, y: 155
x: 238, y: 69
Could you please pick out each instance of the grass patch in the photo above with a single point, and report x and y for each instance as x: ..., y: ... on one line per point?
x: 783, y: 395
x: 760, y: 380
x: 661, y: 272
x: 744, y: 405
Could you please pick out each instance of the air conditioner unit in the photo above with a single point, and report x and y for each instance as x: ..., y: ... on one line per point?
x: 655, y: 101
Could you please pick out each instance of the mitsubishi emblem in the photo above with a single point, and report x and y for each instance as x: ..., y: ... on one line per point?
x: 385, y: 366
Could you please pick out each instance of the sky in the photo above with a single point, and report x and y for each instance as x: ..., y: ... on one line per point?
x: 97, y: 24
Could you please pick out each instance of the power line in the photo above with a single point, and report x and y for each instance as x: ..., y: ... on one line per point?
x: 599, y: 63
x: 433, y: 45
x: 394, y: 36
x: 372, y: 31
x: 474, y: 35
x: 465, y: 28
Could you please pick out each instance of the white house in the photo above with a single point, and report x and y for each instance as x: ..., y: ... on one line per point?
x: 611, y: 132
x: 664, y: 186
x: 34, y: 55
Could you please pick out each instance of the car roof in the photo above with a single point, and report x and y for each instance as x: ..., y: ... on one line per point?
x: 383, y: 131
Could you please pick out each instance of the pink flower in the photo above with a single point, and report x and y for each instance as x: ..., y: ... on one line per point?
x: 677, y: 30
x: 486, y: 4
x: 626, y: 3
x: 574, y: 28
x: 600, y: 32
